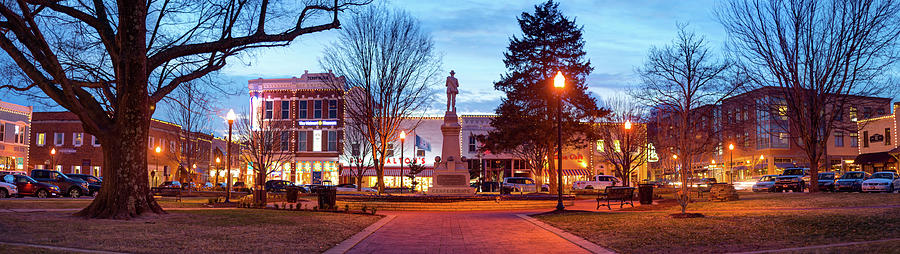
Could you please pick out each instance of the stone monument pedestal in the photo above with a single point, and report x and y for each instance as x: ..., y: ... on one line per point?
x: 451, y: 175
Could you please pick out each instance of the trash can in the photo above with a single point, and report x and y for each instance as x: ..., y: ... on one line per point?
x: 291, y: 194
x: 327, y: 198
x: 645, y: 193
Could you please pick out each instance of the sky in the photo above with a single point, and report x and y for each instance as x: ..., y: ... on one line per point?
x: 472, y: 36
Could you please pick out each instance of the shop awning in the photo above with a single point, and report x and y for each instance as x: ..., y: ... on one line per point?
x: 784, y: 165
x: 388, y: 172
x: 869, y: 158
x: 576, y: 172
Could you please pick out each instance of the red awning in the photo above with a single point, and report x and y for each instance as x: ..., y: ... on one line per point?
x: 576, y: 172
x: 388, y: 172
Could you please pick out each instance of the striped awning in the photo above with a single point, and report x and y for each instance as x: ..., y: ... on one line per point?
x: 388, y: 172
x: 576, y: 172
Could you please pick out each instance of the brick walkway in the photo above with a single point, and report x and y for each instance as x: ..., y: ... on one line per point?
x: 463, y: 232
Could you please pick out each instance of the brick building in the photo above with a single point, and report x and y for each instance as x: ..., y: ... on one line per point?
x: 311, y: 108
x: 877, y: 144
x: 15, y: 125
x: 81, y: 153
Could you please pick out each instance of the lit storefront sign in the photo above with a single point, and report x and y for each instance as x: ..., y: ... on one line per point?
x: 318, y: 123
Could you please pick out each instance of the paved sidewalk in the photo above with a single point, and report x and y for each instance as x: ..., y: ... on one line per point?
x: 463, y: 232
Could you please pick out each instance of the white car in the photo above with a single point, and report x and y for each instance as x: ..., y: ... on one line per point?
x: 7, y: 189
x: 881, y: 181
x: 765, y: 184
x: 519, y: 184
x: 349, y: 187
x: 598, y: 182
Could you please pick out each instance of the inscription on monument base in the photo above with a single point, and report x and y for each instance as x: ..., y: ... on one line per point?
x: 451, y: 180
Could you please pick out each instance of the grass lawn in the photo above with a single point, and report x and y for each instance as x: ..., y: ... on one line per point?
x: 740, y: 226
x: 207, y: 231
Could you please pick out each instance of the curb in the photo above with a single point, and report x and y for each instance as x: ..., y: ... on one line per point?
x: 59, y: 248
x: 581, y: 242
x: 348, y: 244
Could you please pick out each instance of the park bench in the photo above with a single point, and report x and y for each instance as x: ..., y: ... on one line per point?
x: 623, y: 195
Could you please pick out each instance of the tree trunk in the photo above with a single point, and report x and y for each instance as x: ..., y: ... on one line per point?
x: 126, y: 188
x: 126, y: 193
x: 259, y: 194
x: 552, y: 173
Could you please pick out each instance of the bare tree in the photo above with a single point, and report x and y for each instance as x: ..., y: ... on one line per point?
x: 821, y: 55
x: 683, y: 82
x: 390, y: 65
x: 264, y: 149
x: 624, y: 136
x: 359, y: 154
x: 189, y: 107
x: 110, y: 63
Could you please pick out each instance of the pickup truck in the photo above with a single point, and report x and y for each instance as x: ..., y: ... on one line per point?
x: 794, y: 179
x: 598, y: 182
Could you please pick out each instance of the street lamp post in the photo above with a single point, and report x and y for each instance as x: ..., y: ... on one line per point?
x: 402, y: 144
x: 53, y: 158
x: 230, y: 117
x: 731, y: 164
x: 559, y: 82
x: 217, y: 171
x: 625, y: 150
x: 156, y: 168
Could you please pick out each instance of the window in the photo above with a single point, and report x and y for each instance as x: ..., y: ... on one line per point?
x: 865, y: 139
x: 355, y: 149
x: 472, y: 146
x: 887, y: 136
x: 76, y: 169
x: 301, y: 141
x: 839, y: 139
x: 59, y: 139
x: 317, y: 109
x: 150, y: 145
x: 269, y: 105
x: 96, y: 171
x: 617, y: 146
x: 867, y: 112
x: 420, y: 153
x: 301, y: 110
x: 854, y: 139
x: 853, y: 114
x: 781, y: 140
x: 332, y: 140
x: 77, y: 138
x: 285, y: 109
x: 41, y: 139
x: 390, y: 151
x: 285, y: 141
x: 317, y: 140
x: 332, y: 109
x: 20, y: 134
x: 600, y: 145
x: 95, y: 141
x: 2, y: 131
x: 172, y: 146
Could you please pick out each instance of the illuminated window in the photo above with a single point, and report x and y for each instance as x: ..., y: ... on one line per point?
x: 77, y: 138
x: 41, y: 139
x: 853, y: 114
x: 600, y: 145
x: 616, y: 145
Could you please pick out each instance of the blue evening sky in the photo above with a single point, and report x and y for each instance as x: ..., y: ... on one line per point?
x: 472, y: 36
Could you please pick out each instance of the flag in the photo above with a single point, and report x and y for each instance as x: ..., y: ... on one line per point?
x: 422, y: 144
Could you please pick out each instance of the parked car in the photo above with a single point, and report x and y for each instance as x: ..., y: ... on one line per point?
x: 70, y: 187
x: 311, y: 188
x: 352, y: 188
x: 851, y: 181
x: 882, y: 181
x: 519, y: 184
x: 241, y: 187
x: 171, y: 184
x: 705, y: 184
x: 208, y: 186
x: 7, y: 187
x: 765, y: 183
x: 598, y: 182
x: 277, y: 185
x: 793, y: 179
x: 189, y: 186
x: 27, y: 186
x: 826, y: 181
x: 94, y: 183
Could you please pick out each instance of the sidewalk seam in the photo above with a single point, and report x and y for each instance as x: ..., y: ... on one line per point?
x: 580, y: 242
x: 59, y: 248
x: 351, y: 242
x: 819, y: 246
